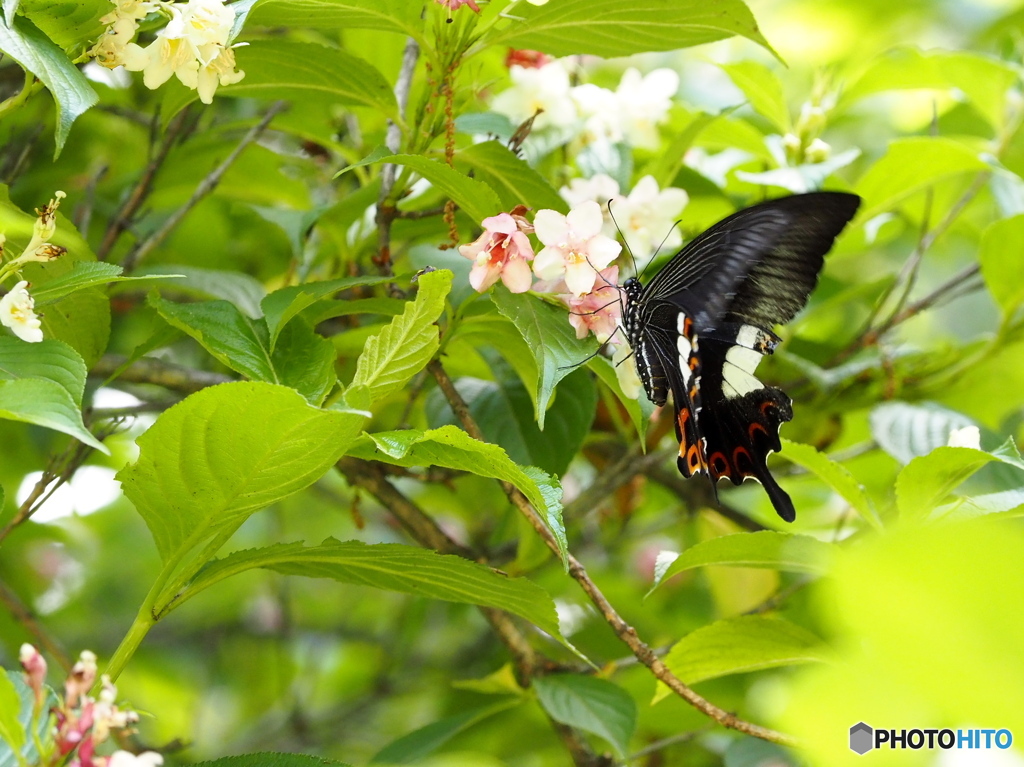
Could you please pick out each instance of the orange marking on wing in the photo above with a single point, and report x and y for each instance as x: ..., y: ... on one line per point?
x: 688, y: 327
x: 736, y: 454
x: 765, y: 405
x: 684, y: 417
x: 719, y: 465
x: 694, y: 362
x: 756, y: 427
x: 693, y: 459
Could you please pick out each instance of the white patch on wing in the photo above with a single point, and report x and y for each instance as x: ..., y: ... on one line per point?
x: 748, y: 337
x: 681, y: 322
x: 738, y: 372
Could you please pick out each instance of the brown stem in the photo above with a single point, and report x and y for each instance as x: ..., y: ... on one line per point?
x: 578, y: 572
x: 153, y: 371
x: 24, y: 615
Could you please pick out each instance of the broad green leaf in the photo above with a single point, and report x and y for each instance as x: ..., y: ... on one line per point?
x: 225, y: 452
x: 835, y: 476
x: 279, y: 307
x: 286, y: 69
x: 738, y: 645
x: 35, y: 52
x: 423, y: 742
x: 910, y: 166
x: 269, y: 759
x: 610, y: 28
x: 71, y: 24
x: 667, y: 164
x: 242, y: 9
x: 766, y: 548
x: 305, y: 361
x: 984, y: 81
x: 906, y: 431
x: 12, y: 731
x: 10, y: 9
x: 43, y: 384
x: 241, y: 289
x: 453, y: 448
x: 512, y: 178
x: 389, y: 15
x: 407, y: 343
x: 476, y: 198
x: 927, y: 481
x: 590, y: 704
x: 551, y: 338
x: 1002, y: 262
x: 394, y: 567
x: 763, y: 90
x: 85, y: 274
x: 493, y: 330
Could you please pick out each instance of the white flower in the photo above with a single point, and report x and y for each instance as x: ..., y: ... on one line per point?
x: 127, y: 759
x: 193, y: 47
x: 968, y: 436
x: 122, y: 23
x: 601, y: 188
x: 16, y: 312
x: 601, y: 113
x: 643, y: 104
x: 39, y: 249
x: 574, y: 246
x: 625, y: 368
x: 648, y: 215
x: 545, y: 89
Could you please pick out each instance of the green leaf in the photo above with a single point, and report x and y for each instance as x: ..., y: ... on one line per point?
x: 394, y: 567
x: 492, y: 330
x: 512, y: 178
x: 35, y: 52
x: 421, y: 743
x: 985, y: 81
x: 85, y: 274
x: 454, y: 449
x: 71, y: 24
x: 12, y: 731
x: 286, y: 69
x: 911, y: 165
x: 552, y: 340
x: 268, y: 759
x: 667, y: 164
x: 738, y: 645
x: 242, y: 290
x: 305, y: 361
x: 1002, y: 262
x: 927, y: 481
x: 475, y: 198
x: 407, y: 343
x: 906, y: 431
x: 764, y: 549
x: 282, y: 305
x: 610, y: 28
x: 590, y: 704
x: 835, y: 476
x: 390, y: 15
x: 639, y: 410
x: 763, y: 90
x: 43, y: 384
x: 225, y: 452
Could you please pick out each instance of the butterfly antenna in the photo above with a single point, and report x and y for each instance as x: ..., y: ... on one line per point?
x: 662, y: 245
x: 590, y: 357
x: 623, y: 236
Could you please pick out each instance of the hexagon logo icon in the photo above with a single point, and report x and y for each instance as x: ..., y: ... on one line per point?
x: 861, y: 738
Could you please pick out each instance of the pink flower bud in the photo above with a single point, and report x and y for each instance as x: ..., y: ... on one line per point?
x: 35, y: 671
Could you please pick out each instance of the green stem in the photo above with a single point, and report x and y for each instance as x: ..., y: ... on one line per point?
x: 18, y: 99
x: 144, y: 621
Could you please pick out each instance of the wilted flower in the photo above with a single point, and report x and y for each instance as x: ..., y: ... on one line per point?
x: 39, y: 249
x: 503, y: 250
x: 643, y: 103
x: 544, y: 90
x: 574, y: 246
x: 625, y: 369
x: 17, y: 312
x: 122, y: 23
x: 600, y: 310
x: 81, y: 678
x: 647, y: 216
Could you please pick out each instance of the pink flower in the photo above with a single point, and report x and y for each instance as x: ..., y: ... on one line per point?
x: 523, y: 57
x: 35, y: 671
x: 503, y: 250
x: 454, y: 5
x: 575, y: 246
x: 599, y: 310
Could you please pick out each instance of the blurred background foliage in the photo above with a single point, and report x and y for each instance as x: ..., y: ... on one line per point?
x: 922, y: 622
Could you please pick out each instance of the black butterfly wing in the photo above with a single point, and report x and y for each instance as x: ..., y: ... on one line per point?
x: 707, y: 318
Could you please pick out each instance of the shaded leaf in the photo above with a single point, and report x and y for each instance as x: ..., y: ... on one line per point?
x: 512, y: 178
x: 12, y: 731
x: 906, y: 431
x: 421, y: 743
x: 243, y: 290
x: 835, y: 476
x: 590, y: 704
x: 268, y: 759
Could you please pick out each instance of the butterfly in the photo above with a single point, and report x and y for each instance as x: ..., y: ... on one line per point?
x: 699, y: 328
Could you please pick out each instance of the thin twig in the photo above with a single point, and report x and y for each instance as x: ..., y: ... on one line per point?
x: 24, y: 615
x: 672, y: 740
x: 207, y: 185
x: 149, y: 370
x: 83, y: 212
x: 126, y: 214
x: 578, y: 572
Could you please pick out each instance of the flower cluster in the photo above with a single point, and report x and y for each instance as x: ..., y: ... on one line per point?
x: 17, y: 307
x: 193, y: 46
x: 631, y: 113
x: 81, y: 722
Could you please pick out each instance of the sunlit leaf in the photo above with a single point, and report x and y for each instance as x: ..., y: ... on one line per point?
x: 763, y: 90
x: 906, y: 431
x: 1002, y: 262
x: 389, y: 15
x: 515, y: 182
x: 834, y: 475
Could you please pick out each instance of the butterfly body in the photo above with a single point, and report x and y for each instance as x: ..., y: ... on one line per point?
x: 699, y: 328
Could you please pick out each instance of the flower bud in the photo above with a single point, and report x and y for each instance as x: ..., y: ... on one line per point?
x: 817, y: 151
x: 812, y: 120
x: 34, y: 665
x: 81, y: 678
